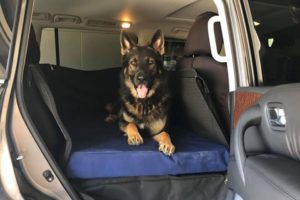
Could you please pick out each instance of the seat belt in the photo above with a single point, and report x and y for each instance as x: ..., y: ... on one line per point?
x: 50, y: 103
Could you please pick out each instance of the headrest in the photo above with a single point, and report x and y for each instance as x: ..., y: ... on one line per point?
x: 33, y: 50
x: 197, y: 41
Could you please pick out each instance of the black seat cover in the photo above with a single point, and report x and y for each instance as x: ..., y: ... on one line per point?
x: 33, y: 50
x: 197, y: 55
x: 40, y: 114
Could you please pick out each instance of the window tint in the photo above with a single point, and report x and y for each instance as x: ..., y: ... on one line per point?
x: 277, y: 23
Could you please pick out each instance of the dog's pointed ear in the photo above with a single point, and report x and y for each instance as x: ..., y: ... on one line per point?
x: 127, y: 40
x: 158, y: 42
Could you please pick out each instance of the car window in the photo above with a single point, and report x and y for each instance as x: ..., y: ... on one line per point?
x: 81, y: 49
x: 174, y: 52
x: 7, y: 10
x: 94, y: 50
x: 277, y: 23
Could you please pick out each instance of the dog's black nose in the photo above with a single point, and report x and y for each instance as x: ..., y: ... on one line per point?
x: 140, y: 77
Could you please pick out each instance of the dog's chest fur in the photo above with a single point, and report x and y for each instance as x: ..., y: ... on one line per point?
x: 146, y: 110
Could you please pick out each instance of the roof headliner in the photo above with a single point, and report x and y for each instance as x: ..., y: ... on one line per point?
x: 144, y: 14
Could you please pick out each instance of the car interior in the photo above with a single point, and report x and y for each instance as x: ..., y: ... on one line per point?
x: 72, y: 73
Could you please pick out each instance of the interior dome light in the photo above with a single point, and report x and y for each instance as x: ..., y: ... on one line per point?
x: 125, y: 25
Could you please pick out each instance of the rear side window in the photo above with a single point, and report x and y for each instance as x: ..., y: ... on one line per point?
x: 7, y: 15
x: 277, y: 23
x: 94, y: 50
x: 173, y: 52
x: 81, y: 49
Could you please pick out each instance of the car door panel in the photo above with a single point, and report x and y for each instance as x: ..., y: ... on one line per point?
x: 244, y: 98
x: 271, y: 171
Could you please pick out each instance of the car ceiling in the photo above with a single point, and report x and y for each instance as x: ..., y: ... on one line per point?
x: 173, y: 17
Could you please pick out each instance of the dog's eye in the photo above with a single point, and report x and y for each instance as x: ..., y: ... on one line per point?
x: 132, y: 63
x: 150, y: 61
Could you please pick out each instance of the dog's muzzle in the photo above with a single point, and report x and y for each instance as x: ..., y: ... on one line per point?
x: 142, y: 85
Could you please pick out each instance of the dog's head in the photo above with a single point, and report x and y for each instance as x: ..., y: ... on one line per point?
x: 143, y: 65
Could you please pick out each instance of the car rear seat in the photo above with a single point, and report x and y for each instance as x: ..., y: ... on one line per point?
x: 204, y: 83
x: 98, y: 149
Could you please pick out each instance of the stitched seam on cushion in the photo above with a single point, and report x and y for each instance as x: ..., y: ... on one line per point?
x: 275, y: 186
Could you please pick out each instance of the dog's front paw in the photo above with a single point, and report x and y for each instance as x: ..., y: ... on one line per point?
x: 164, y: 143
x: 133, y: 135
x: 135, y: 139
x: 167, y: 148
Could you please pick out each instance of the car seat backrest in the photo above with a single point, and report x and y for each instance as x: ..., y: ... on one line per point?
x: 197, y: 41
x: 212, y: 74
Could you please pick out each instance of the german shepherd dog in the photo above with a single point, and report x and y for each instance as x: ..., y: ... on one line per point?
x: 144, y: 94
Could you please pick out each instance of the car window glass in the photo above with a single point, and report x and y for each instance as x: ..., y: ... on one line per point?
x: 88, y: 50
x: 81, y: 49
x: 174, y: 52
x: 7, y: 13
x: 277, y: 23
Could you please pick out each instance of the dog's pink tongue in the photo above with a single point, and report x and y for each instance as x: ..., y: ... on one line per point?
x: 142, y: 91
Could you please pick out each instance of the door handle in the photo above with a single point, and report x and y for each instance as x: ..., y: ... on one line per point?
x: 277, y: 117
x: 251, y: 117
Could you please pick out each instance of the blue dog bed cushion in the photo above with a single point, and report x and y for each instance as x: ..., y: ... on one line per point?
x: 104, y: 153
